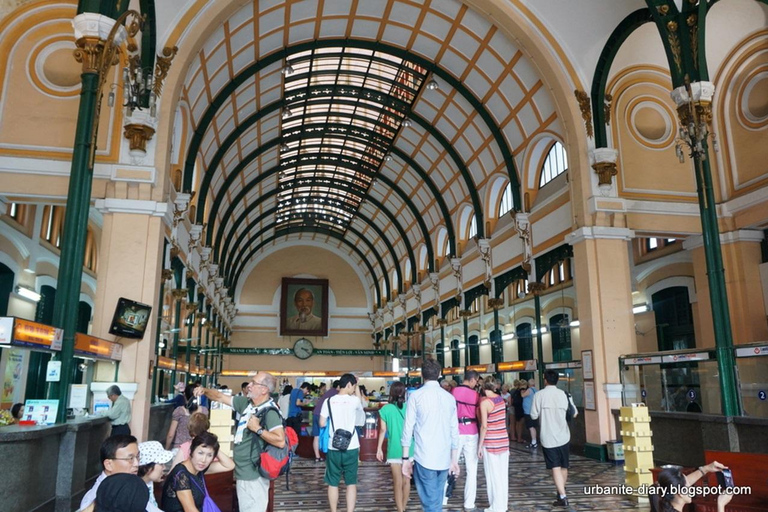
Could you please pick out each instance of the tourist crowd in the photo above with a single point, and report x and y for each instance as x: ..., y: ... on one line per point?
x: 430, y: 430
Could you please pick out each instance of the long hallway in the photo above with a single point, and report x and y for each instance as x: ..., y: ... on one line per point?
x: 531, y: 488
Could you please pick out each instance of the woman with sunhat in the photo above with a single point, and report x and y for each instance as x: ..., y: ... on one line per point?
x: 153, y: 459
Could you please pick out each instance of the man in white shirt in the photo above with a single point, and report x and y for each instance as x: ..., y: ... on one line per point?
x: 343, y: 411
x: 431, y: 420
x: 119, y: 454
x: 551, y: 404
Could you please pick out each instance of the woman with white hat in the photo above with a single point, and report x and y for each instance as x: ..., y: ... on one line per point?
x: 152, y: 461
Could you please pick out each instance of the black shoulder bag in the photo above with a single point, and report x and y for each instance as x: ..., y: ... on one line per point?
x: 341, y: 437
x: 570, y: 411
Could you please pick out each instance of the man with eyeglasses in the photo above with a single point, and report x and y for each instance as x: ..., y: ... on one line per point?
x: 119, y: 454
x: 252, y: 489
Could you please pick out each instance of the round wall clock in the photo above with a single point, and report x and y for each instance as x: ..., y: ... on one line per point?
x: 303, y: 348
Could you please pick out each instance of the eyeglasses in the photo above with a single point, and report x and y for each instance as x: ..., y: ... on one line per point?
x: 132, y: 458
x: 259, y: 384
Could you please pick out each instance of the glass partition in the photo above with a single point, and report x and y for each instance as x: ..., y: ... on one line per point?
x: 679, y: 381
x: 752, y: 373
x: 571, y: 379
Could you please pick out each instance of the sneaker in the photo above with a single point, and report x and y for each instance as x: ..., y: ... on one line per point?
x: 560, y: 502
x: 533, y: 446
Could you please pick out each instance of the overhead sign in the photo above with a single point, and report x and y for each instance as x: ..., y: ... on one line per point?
x: 91, y: 346
x: 680, y: 358
x: 742, y: 352
x: 33, y: 334
x: 633, y: 361
x: 517, y: 366
x: 316, y: 352
x: 6, y: 330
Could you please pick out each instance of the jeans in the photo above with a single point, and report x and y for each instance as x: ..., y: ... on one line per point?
x: 430, y: 485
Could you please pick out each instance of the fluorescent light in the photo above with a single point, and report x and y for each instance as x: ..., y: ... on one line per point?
x: 28, y: 293
x: 640, y: 308
x: 202, y: 322
x: 575, y: 323
x: 462, y: 345
x: 395, y: 364
x: 536, y: 331
x: 447, y: 349
x: 29, y: 270
x: 484, y: 341
x: 507, y: 337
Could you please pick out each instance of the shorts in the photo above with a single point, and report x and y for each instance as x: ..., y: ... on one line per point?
x: 529, y: 422
x: 338, y: 464
x: 315, y: 425
x: 557, y: 457
x: 394, y: 461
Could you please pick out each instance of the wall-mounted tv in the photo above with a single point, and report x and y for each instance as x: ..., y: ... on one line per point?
x: 130, y: 320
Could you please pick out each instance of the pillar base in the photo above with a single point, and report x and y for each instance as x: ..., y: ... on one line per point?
x: 596, y: 451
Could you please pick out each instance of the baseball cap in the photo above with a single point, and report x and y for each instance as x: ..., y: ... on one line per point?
x: 153, y: 451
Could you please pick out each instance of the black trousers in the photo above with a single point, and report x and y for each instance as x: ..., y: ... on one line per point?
x: 295, y: 423
x: 120, y: 429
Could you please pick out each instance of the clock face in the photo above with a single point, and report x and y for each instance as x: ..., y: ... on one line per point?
x: 303, y: 348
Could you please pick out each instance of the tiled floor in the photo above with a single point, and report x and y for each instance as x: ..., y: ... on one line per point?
x: 530, y: 487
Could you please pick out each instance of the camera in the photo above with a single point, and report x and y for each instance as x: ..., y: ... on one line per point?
x: 725, y: 478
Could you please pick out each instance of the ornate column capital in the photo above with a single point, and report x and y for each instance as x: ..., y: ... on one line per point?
x: 604, y: 163
x: 595, y: 232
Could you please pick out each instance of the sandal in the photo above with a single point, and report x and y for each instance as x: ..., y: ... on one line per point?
x: 318, y: 459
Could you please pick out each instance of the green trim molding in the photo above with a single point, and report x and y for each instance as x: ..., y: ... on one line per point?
x: 316, y: 352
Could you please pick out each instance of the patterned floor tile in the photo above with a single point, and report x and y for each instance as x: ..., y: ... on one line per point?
x: 530, y: 487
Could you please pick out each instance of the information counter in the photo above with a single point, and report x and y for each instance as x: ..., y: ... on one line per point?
x: 368, y: 434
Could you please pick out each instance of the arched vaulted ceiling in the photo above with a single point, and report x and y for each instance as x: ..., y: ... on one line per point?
x: 322, y: 118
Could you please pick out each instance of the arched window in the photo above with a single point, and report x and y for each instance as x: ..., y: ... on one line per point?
x: 6, y: 288
x: 473, y: 227
x: 394, y: 280
x: 506, y: 201
x: 524, y: 336
x: 455, y: 354
x: 560, y: 328
x: 440, y: 353
x: 473, y: 345
x: 408, y: 275
x: 555, y: 164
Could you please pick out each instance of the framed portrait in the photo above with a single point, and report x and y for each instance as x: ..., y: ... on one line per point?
x: 304, y: 307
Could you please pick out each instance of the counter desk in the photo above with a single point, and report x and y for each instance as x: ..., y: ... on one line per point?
x: 368, y: 434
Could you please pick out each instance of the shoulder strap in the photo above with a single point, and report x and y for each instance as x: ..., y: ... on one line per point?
x: 330, y: 413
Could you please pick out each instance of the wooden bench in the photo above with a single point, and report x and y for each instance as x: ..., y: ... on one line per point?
x: 748, y: 469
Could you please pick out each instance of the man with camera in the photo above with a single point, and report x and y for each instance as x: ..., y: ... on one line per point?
x: 252, y: 488
x: 342, y: 413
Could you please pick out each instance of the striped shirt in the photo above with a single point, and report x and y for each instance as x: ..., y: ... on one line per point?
x: 496, y: 438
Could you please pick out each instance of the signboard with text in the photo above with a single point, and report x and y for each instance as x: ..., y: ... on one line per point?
x: 35, y: 335
x: 316, y: 352
x: 752, y: 351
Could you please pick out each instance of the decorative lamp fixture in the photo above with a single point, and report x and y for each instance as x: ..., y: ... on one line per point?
x: 28, y: 293
x: 287, y: 69
x: 432, y: 85
x: 406, y: 123
x: 694, y: 130
x: 138, y: 88
x: 388, y: 157
x: 287, y: 113
x: 284, y: 148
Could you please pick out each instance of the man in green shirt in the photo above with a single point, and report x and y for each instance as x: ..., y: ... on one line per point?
x: 119, y: 412
x: 252, y: 489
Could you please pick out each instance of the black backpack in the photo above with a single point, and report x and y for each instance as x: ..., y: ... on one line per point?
x: 570, y: 410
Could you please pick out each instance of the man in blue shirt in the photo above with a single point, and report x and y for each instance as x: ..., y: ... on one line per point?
x: 530, y: 423
x: 431, y: 421
x: 294, y: 409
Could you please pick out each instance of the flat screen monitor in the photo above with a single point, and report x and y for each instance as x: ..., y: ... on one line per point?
x: 130, y: 320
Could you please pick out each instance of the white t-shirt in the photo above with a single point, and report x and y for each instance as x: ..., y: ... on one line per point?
x: 347, y: 412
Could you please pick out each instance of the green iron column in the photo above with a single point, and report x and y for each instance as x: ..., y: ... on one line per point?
x: 536, y: 289
x: 96, y: 57
x: 683, y: 34
x: 178, y: 295
x: 465, y: 323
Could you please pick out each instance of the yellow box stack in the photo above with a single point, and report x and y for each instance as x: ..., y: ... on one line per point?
x: 221, y: 425
x: 638, y: 449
